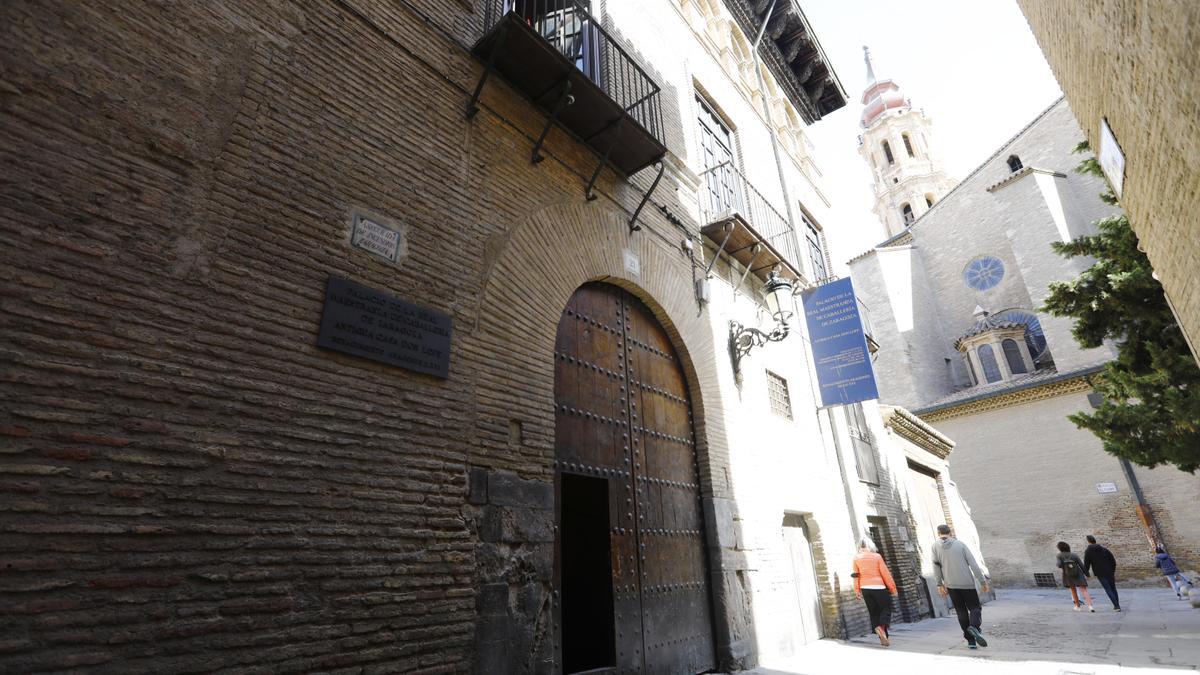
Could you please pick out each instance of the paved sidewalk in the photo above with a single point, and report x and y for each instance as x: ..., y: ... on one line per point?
x: 1029, y: 632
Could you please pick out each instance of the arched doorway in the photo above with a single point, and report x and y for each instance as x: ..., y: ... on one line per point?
x: 630, y: 570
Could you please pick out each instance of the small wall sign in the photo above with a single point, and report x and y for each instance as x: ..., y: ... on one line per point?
x: 1106, y: 488
x: 1112, y: 160
x: 374, y: 238
x: 632, y: 264
x: 364, y: 322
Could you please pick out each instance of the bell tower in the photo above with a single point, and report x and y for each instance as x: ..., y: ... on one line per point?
x: 896, y: 145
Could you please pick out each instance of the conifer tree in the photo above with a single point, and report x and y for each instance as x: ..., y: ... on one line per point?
x: 1150, y: 410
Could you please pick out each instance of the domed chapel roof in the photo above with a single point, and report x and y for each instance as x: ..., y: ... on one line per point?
x: 985, y: 322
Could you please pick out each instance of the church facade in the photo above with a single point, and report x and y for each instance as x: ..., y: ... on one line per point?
x: 955, y: 296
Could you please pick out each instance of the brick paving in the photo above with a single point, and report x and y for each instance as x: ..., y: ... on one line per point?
x: 1029, y: 632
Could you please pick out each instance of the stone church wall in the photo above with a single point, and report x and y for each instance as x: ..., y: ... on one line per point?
x: 1019, y: 525
x: 1015, y: 222
x: 1015, y: 218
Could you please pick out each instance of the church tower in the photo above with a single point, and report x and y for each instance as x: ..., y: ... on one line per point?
x: 895, y: 144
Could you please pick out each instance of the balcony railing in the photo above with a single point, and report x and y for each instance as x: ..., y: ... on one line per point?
x: 559, y: 55
x: 727, y: 197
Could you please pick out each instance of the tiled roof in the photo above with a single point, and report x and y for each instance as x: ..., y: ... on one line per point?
x: 982, y: 391
x: 988, y: 322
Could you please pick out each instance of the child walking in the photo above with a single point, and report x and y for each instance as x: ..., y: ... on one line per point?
x: 1074, y: 576
x: 1171, y: 571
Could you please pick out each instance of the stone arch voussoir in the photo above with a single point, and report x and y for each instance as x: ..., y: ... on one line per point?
x: 539, y: 266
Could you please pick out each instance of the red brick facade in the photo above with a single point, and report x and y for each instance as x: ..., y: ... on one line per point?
x: 190, y: 484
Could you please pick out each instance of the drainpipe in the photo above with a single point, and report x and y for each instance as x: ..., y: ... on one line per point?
x: 855, y: 525
x: 1143, y: 508
x: 787, y: 197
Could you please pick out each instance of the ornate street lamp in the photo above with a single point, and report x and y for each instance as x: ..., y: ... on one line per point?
x: 778, y: 294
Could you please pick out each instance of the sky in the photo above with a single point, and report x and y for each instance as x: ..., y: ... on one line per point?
x: 972, y: 65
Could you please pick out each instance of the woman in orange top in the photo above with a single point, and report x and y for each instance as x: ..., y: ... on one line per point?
x: 873, y: 584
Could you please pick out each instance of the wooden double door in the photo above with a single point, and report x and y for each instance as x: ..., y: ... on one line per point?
x: 631, y: 577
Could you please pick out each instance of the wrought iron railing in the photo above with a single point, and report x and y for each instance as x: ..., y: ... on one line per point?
x: 578, y: 36
x: 726, y: 191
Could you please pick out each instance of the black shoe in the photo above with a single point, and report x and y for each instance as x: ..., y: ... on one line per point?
x: 979, y: 639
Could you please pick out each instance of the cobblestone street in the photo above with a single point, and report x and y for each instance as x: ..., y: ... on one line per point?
x: 1029, y: 632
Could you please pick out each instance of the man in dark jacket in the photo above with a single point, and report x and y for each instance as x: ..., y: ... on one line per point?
x: 1099, y: 561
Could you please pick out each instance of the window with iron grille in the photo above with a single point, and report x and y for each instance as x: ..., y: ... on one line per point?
x: 1044, y: 580
x: 777, y: 391
x: 717, y: 156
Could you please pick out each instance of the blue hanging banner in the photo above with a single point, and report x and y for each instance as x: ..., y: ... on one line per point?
x: 839, y: 344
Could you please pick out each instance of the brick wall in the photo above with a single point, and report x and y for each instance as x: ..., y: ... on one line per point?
x: 1134, y: 64
x: 191, y: 484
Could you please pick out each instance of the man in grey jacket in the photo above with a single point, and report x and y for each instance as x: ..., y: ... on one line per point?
x: 955, y: 570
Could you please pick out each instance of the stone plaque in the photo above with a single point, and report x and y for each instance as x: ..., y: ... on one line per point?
x: 364, y: 322
x: 374, y: 238
x: 1106, y: 488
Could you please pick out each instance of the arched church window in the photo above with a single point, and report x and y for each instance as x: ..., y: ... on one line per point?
x: 987, y: 359
x: 1014, y: 163
x: 907, y: 212
x: 1012, y: 354
x: 887, y: 152
x: 907, y: 145
x: 1035, y: 338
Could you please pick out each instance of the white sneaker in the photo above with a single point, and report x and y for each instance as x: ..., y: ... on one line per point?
x: 1091, y: 609
x: 1076, y: 608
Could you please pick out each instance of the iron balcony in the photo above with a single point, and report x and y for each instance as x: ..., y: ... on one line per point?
x: 740, y: 220
x: 558, y: 55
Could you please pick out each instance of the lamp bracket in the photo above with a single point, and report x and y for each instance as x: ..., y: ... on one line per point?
x: 742, y: 339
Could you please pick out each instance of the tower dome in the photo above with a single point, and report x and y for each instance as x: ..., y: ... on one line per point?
x: 880, y: 95
x: 895, y: 144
